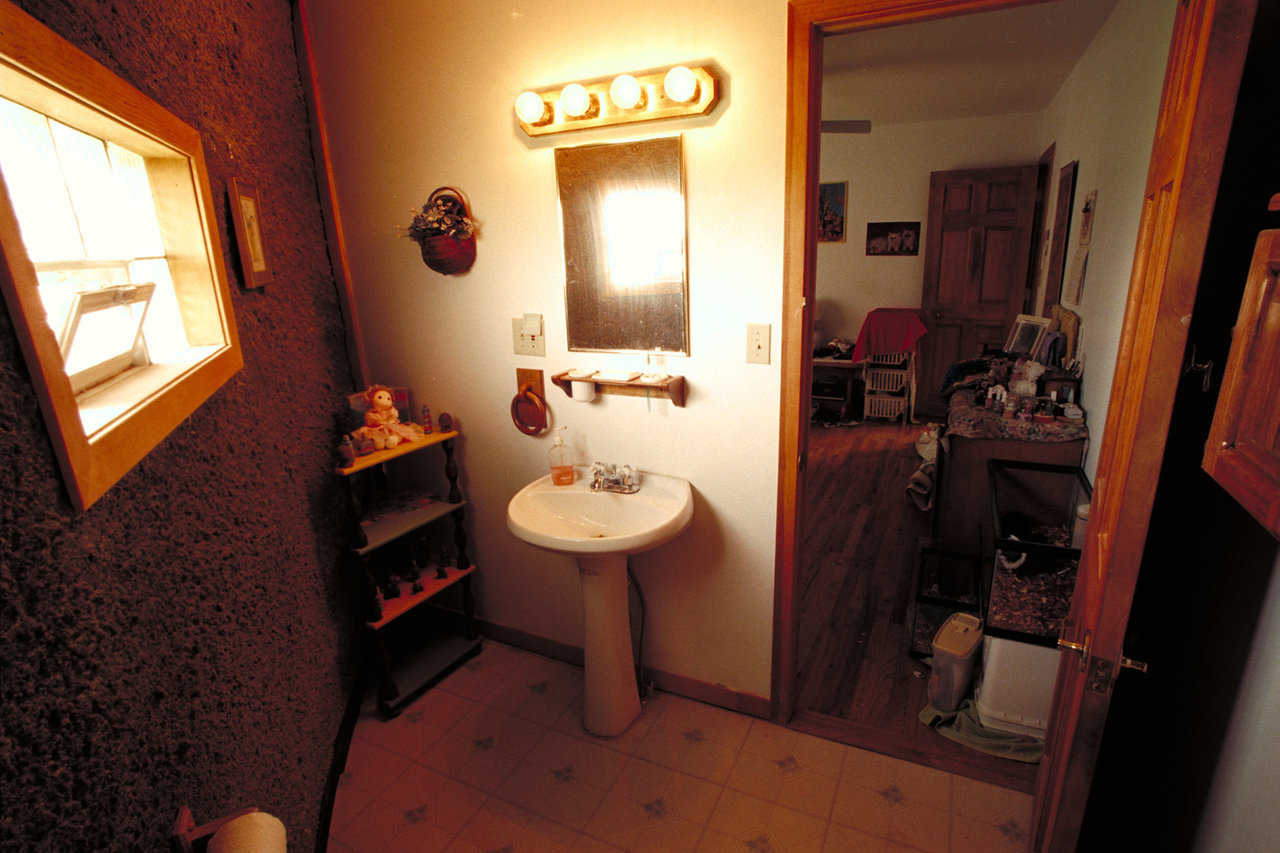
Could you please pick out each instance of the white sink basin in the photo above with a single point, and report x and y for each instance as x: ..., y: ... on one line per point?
x: 575, y: 520
x: 600, y: 529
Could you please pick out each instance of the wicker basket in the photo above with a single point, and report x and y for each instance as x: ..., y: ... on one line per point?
x: 445, y: 254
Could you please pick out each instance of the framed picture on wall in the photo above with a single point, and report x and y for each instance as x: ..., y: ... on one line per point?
x: 893, y: 238
x: 831, y: 210
x: 245, y: 216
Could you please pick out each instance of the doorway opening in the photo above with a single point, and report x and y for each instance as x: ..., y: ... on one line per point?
x: 860, y: 540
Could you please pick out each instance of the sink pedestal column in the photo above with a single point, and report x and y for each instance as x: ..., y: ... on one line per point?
x: 610, y: 698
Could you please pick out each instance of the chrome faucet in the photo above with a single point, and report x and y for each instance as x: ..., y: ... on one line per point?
x: 621, y: 479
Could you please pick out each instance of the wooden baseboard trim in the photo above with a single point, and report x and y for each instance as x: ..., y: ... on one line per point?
x: 1005, y: 773
x: 690, y: 688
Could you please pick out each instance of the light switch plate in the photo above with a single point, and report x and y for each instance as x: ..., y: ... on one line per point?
x: 527, y: 337
x: 758, y: 343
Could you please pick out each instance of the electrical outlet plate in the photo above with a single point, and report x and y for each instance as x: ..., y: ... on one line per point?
x: 758, y: 343
x: 526, y: 335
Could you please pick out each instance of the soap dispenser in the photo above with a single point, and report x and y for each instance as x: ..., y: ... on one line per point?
x: 561, y: 461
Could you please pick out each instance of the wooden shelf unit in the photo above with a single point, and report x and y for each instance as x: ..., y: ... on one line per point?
x: 390, y: 518
x: 672, y: 387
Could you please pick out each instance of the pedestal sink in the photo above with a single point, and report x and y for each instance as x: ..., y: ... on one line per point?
x: 600, y: 529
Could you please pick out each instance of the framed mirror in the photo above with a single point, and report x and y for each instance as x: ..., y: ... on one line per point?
x: 623, y: 216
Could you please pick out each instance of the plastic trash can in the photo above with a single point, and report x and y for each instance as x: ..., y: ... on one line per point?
x: 954, y: 648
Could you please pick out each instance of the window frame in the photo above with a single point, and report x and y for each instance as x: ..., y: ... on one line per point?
x: 40, y: 69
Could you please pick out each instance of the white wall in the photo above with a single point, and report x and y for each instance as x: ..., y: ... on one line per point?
x: 1237, y: 817
x: 421, y: 95
x: 1104, y: 116
x: 888, y: 174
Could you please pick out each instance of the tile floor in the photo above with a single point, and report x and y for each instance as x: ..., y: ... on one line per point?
x: 495, y: 759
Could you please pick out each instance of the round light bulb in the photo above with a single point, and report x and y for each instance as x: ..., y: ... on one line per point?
x: 530, y: 107
x: 575, y: 100
x: 625, y: 92
x: 680, y: 84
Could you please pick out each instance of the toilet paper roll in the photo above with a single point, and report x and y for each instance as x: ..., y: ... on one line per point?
x: 256, y: 832
x: 584, y: 392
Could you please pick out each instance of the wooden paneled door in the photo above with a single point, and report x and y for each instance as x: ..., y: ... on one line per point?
x: 977, y: 252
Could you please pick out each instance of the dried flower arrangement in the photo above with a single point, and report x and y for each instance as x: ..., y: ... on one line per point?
x: 442, y: 214
x: 445, y: 231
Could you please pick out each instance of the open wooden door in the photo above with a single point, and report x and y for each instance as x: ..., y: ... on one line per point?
x: 1206, y: 56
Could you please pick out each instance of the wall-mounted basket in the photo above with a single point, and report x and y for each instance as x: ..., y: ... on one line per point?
x: 452, y: 252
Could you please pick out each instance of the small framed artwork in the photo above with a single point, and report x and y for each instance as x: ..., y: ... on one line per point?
x: 831, y: 208
x: 1026, y: 335
x: 893, y: 238
x: 246, y: 216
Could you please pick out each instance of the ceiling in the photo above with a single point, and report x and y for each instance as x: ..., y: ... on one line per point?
x: 991, y: 63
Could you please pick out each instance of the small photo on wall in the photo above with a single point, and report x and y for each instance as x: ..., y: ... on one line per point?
x: 831, y: 206
x: 893, y: 238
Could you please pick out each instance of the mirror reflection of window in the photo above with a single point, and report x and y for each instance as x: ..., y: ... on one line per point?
x: 644, y: 240
x: 623, y: 217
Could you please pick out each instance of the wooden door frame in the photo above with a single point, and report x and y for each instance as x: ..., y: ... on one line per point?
x: 1149, y: 355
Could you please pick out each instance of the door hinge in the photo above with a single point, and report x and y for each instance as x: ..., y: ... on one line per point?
x: 1101, y: 676
x: 1102, y: 672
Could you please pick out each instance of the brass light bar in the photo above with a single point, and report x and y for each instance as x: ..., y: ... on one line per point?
x: 599, y: 109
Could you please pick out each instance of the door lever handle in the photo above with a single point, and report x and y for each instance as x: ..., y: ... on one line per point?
x: 1130, y: 663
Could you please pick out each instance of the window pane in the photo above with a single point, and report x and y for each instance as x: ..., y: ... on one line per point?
x: 35, y: 184
x: 58, y: 287
x: 104, y: 334
x: 136, y: 205
x: 166, y: 337
x: 95, y: 193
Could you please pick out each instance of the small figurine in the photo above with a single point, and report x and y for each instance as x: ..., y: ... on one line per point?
x: 382, y: 421
x: 426, y: 420
x: 996, y: 396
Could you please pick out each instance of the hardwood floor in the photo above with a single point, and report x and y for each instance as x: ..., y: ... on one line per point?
x: 856, y: 681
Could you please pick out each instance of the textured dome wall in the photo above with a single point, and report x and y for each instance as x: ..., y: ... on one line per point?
x: 184, y: 640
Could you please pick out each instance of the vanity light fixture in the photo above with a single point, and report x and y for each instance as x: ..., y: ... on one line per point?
x: 671, y: 92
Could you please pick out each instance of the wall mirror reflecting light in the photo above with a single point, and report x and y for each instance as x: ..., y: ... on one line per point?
x: 622, y: 209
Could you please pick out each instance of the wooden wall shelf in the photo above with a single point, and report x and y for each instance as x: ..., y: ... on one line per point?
x: 377, y: 457
x: 673, y: 387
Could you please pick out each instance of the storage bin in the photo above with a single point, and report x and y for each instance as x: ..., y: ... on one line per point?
x: 890, y: 386
x: 954, y: 648
x: 887, y: 380
x: 1016, y: 691
x: 880, y: 406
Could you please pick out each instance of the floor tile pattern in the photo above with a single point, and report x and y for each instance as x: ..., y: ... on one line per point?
x: 495, y: 760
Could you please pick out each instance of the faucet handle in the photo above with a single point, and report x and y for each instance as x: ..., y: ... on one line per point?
x: 629, y: 475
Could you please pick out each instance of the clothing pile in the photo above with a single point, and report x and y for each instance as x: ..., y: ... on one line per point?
x: 920, y: 484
